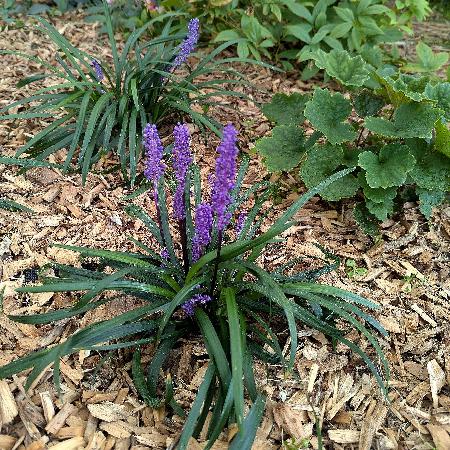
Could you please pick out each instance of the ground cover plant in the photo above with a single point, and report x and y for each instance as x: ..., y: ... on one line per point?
x: 288, y: 31
x: 206, y: 281
x: 99, y: 109
x: 392, y: 126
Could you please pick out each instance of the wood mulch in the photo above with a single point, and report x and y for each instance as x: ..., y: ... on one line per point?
x: 407, y: 274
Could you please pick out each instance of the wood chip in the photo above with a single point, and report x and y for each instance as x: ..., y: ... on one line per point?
x: 440, y: 436
x: 344, y: 436
x: 437, y: 380
x: 371, y: 425
x: 47, y: 406
x: 424, y: 315
x: 8, y: 406
x: 70, y: 444
x: 7, y: 442
x: 108, y: 411
x: 58, y: 421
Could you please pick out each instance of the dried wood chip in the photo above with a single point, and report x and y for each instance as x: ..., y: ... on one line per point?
x: 294, y: 422
x: 8, y: 406
x: 370, y: 426
x: 38, y: 445
x: 344, y: 436
x: 97, y: 441
x: 119, y: 429
x: 7, y: 442
x: 47, y: 406
x: 437, y: 380
x: 57, y: 421
x: 108, y: 411
x: 424, y: 315
x: 440, y: 436
x: 75, y: 443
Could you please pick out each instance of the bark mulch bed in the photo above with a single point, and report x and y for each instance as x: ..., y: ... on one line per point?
x: 407, y: 274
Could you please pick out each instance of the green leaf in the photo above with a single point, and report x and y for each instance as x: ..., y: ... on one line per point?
x: 191, y: 420
x: 381, y: 210
x: 11, y: 205
x: 286, y: 109
x: 284, y: 149
x: 389, y: 168
x: 442, y: 139
x: 350, y: 71
x: 401, y: 88
x: 299, y: 31
x: 321, y: 162
x: 328, y: 113
x: 409, y: 120
x: 432, y: 170
x: 237, y: 352
x: 427, y: 60
x: 226, y: 35
x: 31, y: 79
x: 366, y: 221
x: 440, y: 92
x: 298, y: 9
x: 244, y: 440
x: 429, y: 199
x: 367, y: 104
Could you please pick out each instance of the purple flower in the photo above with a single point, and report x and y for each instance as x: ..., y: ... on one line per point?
x: 198, y: 299
x: 165, y: 254
x: 240, y: 222
x: 97, y: 69
x: 154, y: 166
x: 189, y: 43
x: 182, y: 158
x: 203, y: 224
x: 224, y: 176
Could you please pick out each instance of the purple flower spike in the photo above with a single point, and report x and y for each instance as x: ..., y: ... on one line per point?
x: 182, y: 158
x: 240, y: 222
x: 97, y: 69
x: 203, y: 224
x: 154, y: 166
x: 225, y: 176
x: 165, y: 254
x: 189, y: 43
x: 198, y: 299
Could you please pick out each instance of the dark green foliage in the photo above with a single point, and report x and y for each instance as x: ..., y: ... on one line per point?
x: 235, y: 326
x: 403, y: 140
x: 96, y: 118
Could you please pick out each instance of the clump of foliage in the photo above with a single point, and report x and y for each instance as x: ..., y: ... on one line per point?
x: 392, y: 126
x: 12, y: 8
x: 290, y: 31
x: 204, y: 282
x: 95, y: 109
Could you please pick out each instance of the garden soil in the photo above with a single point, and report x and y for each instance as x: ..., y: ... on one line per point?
x: 406, y: 274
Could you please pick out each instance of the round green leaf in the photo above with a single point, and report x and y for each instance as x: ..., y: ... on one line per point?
x: 389, y: 168
x: 284, y: 149
x: 321, y: 162
x: 328, y: 113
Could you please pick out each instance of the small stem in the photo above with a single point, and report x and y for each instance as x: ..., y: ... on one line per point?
x: 183, y: 238
x: 359, y: 137
x: 158, y: 214
x: 216, y: 264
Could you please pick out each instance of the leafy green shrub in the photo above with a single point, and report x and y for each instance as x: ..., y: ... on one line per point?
x: 288, y: 31
x: 205, y: 282
x: 394, y: 128
x: 12, y: 8
x: 97, y: 109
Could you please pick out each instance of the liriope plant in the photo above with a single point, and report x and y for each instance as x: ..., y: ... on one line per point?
x: 95, y: 108
x: 205, y: 282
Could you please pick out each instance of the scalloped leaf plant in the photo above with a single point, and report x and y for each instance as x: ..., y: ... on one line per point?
x: 400, y: 141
